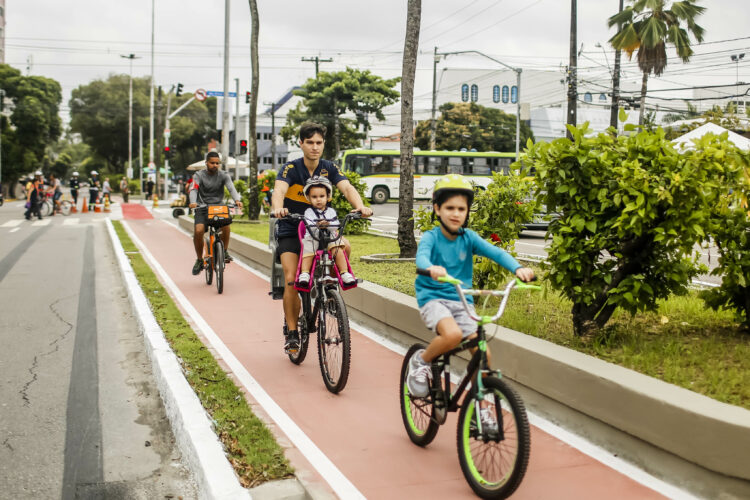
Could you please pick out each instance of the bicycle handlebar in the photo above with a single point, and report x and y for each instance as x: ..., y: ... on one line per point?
x: 505, y: 294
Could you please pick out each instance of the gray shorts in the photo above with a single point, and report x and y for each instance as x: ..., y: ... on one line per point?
x: 437, y: 309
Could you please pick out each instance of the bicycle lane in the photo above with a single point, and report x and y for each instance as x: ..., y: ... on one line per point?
x: 360, y: 430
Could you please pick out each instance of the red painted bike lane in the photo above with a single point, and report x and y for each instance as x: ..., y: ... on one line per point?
x: 359, y: 430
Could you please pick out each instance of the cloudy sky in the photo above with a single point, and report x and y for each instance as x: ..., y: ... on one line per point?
x: 77, y: 41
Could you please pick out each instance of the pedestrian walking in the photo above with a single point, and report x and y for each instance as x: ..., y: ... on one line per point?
x: 124, y: 189
x: 94, y: 185
x: 74, y: 184
x: 55, y: 188
x: 149, y: 186
x: 34, y: 196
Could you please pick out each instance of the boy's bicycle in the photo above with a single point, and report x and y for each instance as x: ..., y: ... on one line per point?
x: 214, y: 252
x: 323, y: 309
x: 47, y: 205
x: 493, y: 430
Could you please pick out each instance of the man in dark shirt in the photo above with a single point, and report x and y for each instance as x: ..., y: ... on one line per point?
x: 288, y: 198
x: 74, y: 185
x: 208, y: 188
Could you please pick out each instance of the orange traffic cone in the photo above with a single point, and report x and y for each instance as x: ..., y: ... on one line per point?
x: 85, y: 207
x: 156, y: 200
x: 73, y: 208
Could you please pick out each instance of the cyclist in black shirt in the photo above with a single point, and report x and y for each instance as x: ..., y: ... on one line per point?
x: 288, y: 198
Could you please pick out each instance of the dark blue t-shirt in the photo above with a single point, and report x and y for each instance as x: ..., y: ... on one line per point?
x: 295, y: 174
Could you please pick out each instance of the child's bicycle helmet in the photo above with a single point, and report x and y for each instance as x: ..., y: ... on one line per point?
x: 451, y: 185
x: 317, y: 180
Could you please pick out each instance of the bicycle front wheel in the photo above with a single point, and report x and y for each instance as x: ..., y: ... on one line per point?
x: 65, y: 207
x: 219, y: 260
x: 334, y: 342
x: 45, y: 209
x: 494, y: 460
x: 417, y: 413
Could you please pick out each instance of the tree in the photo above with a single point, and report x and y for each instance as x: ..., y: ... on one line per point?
x: 33, y: 125
x: 647, y: 26
x: 471, y: 126
x: 253, y: 209
x: 326, y: 98
x: 406, y: 242
x: 631, y: 210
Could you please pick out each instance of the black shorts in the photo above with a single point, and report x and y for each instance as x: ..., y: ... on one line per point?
x: 288, y: 244
x: 201, y: 216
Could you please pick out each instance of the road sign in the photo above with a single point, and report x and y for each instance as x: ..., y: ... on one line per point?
x: 166, y: 132
x: 200, y: 94
x: 218, y: 93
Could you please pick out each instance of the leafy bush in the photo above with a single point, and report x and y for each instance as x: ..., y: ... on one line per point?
x: 631, y: 210
x: 241, y: 188
x: 343, y: 207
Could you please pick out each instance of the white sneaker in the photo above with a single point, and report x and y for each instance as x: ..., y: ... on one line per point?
x: 418, y: 380
x: 348, y: 278
x: 303, y: 280
x: 487, y: 417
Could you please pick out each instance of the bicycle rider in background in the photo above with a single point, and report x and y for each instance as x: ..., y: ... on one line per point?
x: 288, y: 197
x: 208, y: 188
x: 448, y: 250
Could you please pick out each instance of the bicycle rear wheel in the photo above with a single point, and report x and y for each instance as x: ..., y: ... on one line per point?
x: 208, y: 264
x: 45, y: 208
x: 494, y: 462
x: 219, y: 263
x: 65, y: 207
x: 417, y: 413
x: 334, y: 342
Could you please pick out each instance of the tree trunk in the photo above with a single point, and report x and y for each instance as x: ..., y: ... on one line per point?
x: 616, y: 84
x: 336, y: 129
x: 644, y: 86
x: 573, y: 69
x: 406, y: 241
x: 253, y: 211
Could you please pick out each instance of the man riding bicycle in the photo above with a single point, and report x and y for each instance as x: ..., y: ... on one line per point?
x: 288, y: 197
x: 208, y: 188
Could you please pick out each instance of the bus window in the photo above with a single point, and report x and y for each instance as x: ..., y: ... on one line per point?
x: 455, y: 165
x: 359, y: 164
x: 430, y: 165
x: 501, y: 165
x: 396, y: 167
x: 380, y: 165
x: 479, y: 167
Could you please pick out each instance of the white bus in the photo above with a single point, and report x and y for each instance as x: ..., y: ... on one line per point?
x: 380, y: 169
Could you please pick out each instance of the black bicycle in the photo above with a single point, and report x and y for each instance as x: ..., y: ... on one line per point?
x: 324, y: 310
x: 214, y: 252
x: 493, y: 430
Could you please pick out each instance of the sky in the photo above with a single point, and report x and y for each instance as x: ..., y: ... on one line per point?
x: 78, y: 41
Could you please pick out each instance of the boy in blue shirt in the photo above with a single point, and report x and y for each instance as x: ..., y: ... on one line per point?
x: 448, y: 250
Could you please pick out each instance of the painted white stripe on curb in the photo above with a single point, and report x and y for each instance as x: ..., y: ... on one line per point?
x: 325, y: 467
x: 192, y: 428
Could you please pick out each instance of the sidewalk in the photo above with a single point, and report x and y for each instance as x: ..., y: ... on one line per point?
x: 360, y: 430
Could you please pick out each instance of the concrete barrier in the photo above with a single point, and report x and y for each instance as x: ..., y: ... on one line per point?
x: 697, y: 429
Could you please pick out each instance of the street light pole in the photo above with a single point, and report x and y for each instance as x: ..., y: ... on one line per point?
x: 130, y: 116
x: 518, y: 89
x: 237, y: 130
x: 737, y: 58
x: 151, y: 93
x: 433, y: 125
x: 225, y: 100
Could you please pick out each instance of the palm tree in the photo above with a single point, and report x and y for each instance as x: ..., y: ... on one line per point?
x: 253, y: 210
x: 406, y: 241
x: 647, y: 26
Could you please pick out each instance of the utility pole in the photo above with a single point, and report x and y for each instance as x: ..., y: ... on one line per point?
x: 572, y: 70
x: 616, y: 84
x: 130, y: 116
x: 2, y: 107
x: 433, y: 124
x: 167, y: 133
x: 237, y: 130
x: 140, y: 157
x: 151, y: 94
x: 225, y: 101
x: 273, y: 133
x: 317, y: 60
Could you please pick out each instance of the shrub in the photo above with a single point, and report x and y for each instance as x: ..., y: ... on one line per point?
x: 631, y: 210
x: 343, y: 207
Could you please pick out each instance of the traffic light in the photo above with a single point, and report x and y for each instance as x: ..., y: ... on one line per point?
x: 168, y: 153
x: 179, y: 90
x: 247, y: 97
x: 243, y: 146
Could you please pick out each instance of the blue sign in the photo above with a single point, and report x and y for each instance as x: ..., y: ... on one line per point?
x: 218, y: 93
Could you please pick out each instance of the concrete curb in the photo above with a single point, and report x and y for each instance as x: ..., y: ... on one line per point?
x: 697, y: 429
x: 191, y: 425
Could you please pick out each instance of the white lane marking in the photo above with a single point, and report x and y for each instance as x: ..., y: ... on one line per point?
x: 14, y: 229
x: 13, y: 223
x: 325, y: 467
x: 71, y: 222
x: 43, y: 222
x: 580, y: 443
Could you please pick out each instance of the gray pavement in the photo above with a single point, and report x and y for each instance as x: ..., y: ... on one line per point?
x: 81, y: 416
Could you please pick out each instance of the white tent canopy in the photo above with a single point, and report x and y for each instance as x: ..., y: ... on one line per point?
x: 686, y: 141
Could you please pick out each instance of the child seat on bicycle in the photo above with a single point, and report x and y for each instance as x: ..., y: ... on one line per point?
x: 318, y: 191
x: 448, y: 250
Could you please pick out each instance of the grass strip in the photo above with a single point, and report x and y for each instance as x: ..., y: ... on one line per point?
x: 252, y: 449
x: 683, y: 342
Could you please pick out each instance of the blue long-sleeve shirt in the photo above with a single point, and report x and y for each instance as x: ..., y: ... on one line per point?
x: 456, y: 257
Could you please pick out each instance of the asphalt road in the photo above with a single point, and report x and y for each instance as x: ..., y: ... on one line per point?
x: 81, y: 416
